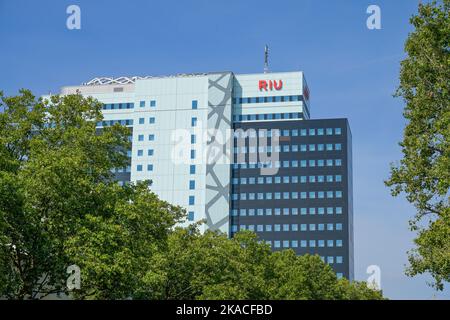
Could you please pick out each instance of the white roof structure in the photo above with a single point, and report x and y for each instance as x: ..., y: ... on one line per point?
x: 130, y: 80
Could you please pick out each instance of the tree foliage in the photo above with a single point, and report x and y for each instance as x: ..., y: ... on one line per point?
x: 211, y: 266
x: 59, y: 203
x: 424, y: 171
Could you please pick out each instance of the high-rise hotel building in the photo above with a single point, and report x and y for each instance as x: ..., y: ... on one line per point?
x: 240, y: 152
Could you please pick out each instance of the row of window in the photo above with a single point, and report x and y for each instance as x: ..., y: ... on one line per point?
x: 290, y: 164
x: 239, y: 133
x: 304, y: 244
x: 140, y: 167
x: 290, y: 148
x: 107, y: 123
x: 278, y: 149
x: 150, y: 152
x: 121, y: 170
x: 286, y: 179
x: 117, y: 106
x: 300, y: 244
x: 152, y: 104
x: 267, y: 116
x: 286, y: 195
x: 286, y: 211
x: 293, y: 98
x: 151, y: 120
x: 292, y: 227
x: 151, y: 137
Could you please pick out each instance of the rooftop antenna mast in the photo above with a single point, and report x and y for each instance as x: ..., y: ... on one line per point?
x: 266, y: 59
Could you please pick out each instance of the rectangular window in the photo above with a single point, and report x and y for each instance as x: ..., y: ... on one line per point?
x: 150, y: 152
x: 192, y: 169
x: 149, y: 167
x: 193, y: 121
x: 337, y: 131
x: 194, y: 104
x: 192, y: 154
x: 192, y: 185
x: 191, y: 200
x: 141, y: 120
x: 191, y: 216
x: 151, y: 137
x: 142, y: 104
x: 151, y: 120
x: 141, y: 137
x: 152, y: 103
x: 140, y: 153
x: 139, y: 167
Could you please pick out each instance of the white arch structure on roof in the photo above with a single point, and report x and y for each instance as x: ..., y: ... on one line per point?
x: 129, y: 80
x: 110, y: 80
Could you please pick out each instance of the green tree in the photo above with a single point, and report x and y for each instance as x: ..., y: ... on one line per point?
x: 423, y: 173
x: 60, y: 205
x: 211, y: 266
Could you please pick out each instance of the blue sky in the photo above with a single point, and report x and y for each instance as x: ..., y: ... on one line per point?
x: 351, y: 71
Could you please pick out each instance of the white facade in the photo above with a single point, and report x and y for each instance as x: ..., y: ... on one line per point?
x: 215, y: 100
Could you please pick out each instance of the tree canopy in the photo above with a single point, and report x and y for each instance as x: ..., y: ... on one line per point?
x: 423, y: 173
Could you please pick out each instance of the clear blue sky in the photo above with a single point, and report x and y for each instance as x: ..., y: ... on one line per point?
x: 352, y: 72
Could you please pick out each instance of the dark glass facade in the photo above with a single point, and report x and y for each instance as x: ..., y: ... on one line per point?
x: 307, y: 205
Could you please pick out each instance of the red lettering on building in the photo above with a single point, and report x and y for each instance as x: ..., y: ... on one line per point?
x: 270, y: 85
x: 262, y: 85
x: 278, y: 86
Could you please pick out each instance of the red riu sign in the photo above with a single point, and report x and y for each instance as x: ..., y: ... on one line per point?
x: 269, y: 85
